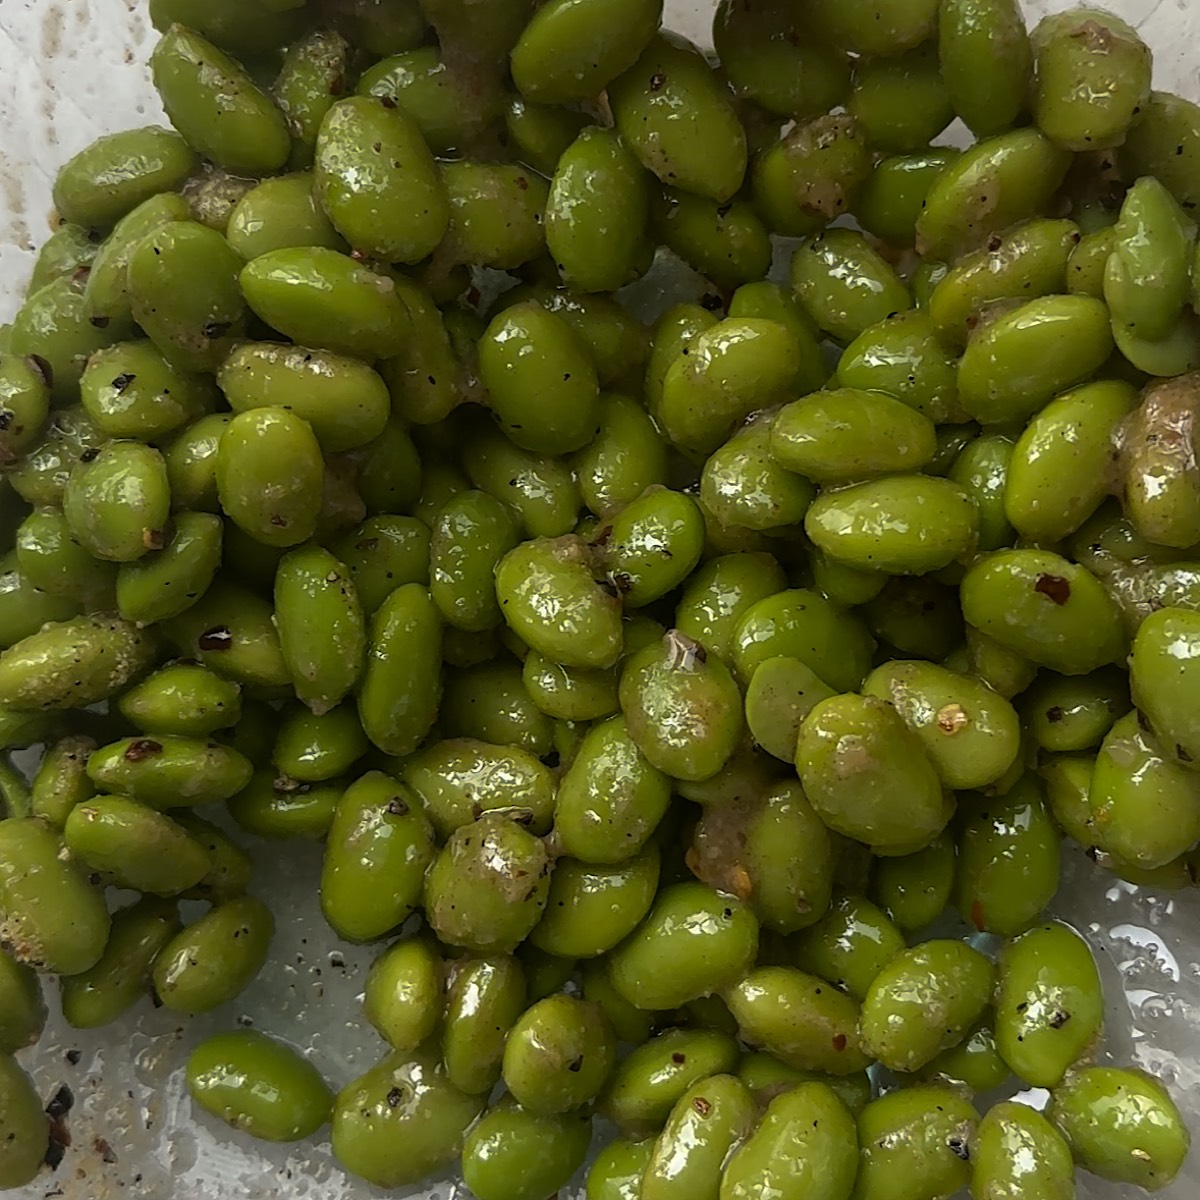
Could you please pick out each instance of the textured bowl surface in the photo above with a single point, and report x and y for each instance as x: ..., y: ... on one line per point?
x: 71, y: 70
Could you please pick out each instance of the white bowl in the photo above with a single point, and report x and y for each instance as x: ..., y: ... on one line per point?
x: 71, y: 70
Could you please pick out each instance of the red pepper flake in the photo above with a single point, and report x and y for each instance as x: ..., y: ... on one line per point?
x: 839, y: 1042
x: 1054, y: 586
x: 702, y: 1106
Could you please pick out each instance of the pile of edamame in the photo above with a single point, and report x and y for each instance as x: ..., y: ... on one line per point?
x: 669, y: 698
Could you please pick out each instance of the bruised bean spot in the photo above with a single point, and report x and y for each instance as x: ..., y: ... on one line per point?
x: 220, y: 637
x: 1054, y: 714
x: 142, y: 749
x: 1055, y: 587
x: 977, y: 916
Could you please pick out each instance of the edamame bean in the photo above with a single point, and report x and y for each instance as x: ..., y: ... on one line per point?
x: 694, y: 942
x: 489, y: 702
x: 401, y: 1121
x: 169, y: 771
x: 901, y: 103
x: 998, y: 182
x: 344, y: 401
x: 118, y: 500
x: 487, y: 888
x: 51, y: 560
x: 558, y: 1055
x: 572, y: 52
x: 313, y: 749
x: 52, y: 327
x: 379, y: 847
x: 858, y: 525
x: 451, y: 107
x: 541, y: 490
x: 24, y: 404
x: 986, y: 61
x: 168, y: 581
x: 73, y: 663
x: 598, y: 212
x: 403, y: 997
x: 121, y: 976
x: 915, y: 1142
x: 1020, y: 361
x: 864, y: 27
x: 804, y: 1145
x: 321, y: 626
x: 1147, y: 279
x: 119, y: 171
x: 1038, y: 604
x: 804, y: 625
x: 611, y: 798
x: 61, y: 781
x: 811, y: 176
x: 591, y: 907
x: 889, y: 797
x: 384, y: 553
x: 258, y: 1086
x: 647, y: 1085
x: 706, y: 1124
x: 311, y: 77
x: 134, y: 846
x: 458, y: 779
x: 67, y: 249
x: 781, y: 693
x: 194, y: 328
x: 1092, y: 77
x: 1145, y: 806
x: 800, y: 1019
x: 683, y: 708
x: 27, y: 1140
x: 770, y: 850
x: 23, y: 1012
x: 550, y: 599
x: 231, y: 631
x: 376, y: 180
x: 1121, y: 1125
x: 322, y: 298
x: 484, y: 998
x: 1159, y: 479
x: 211, y: 100
x: 182, y: 699
x: 1017, y: 1154
x: 400, y: 689
x: 512, y: 1154
x: 845, y: 285
x: 850, y: 945
x: 1022, y: 263
x: 923, y: 1002
x: 971, y: 734
x: 1008, y: 860
x: 541, y: 383
x: 846, y: 434
x: 496, y: 214
x: 727, y: 372
x: 727, y: 243
x: 271, y: 806
x: 771, y: 57
x: 213, y: 960
x: 1049, y: 1004
x: 1162, y: 142
x: 904, y: 357
x: 676, y: 116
